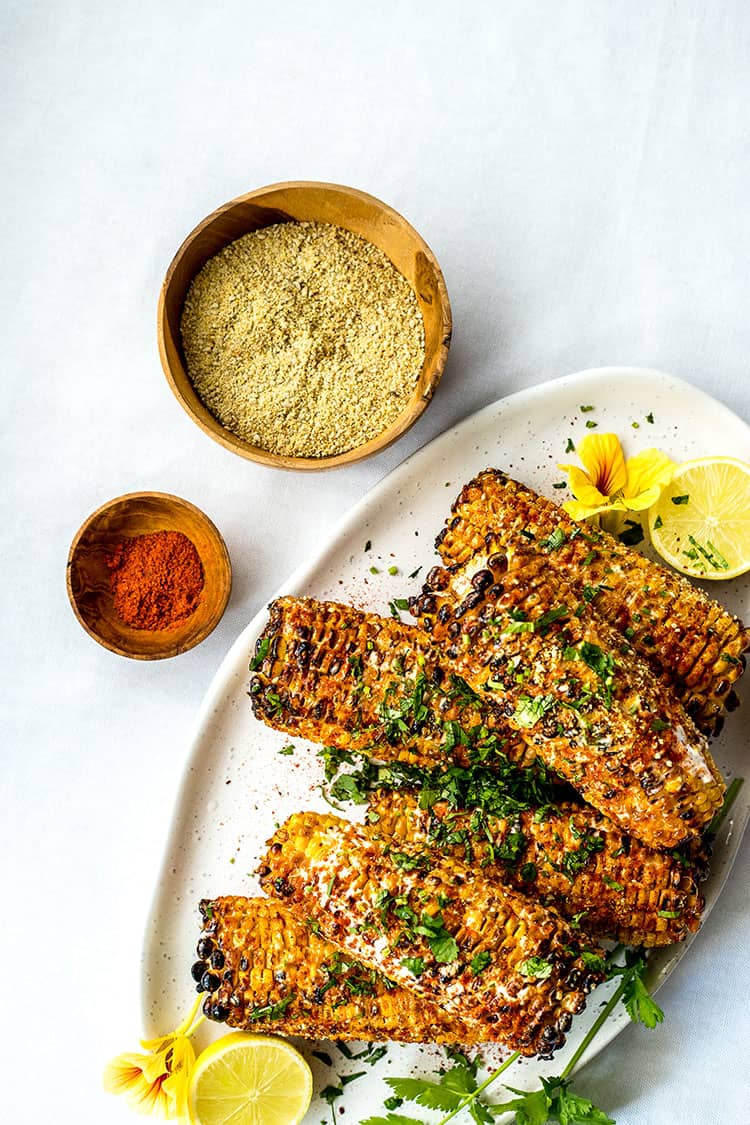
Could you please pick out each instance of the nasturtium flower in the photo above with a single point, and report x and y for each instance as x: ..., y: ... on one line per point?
x: 157, y: 1081
x: 607, y: 482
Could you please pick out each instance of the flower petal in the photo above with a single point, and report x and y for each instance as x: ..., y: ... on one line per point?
x: 648, y: 473
x: 582, y: 488
x: 124, y: 1073
x: 579, y: 511
x: 604, y: 461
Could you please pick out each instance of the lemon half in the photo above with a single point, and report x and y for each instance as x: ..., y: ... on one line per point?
x: 249, y: 1079
x: 701, y: 522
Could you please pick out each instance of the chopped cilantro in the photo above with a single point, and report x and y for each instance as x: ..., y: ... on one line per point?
x: 681, y: 499
x: 443, y: 945
x: 560, y: 484
x: 650, y: 418
x: 659, y: 725
x: 530, y: 710
x: 393, y: 570
x: 593, y: 961
x: 368, y: 545
x: 535, y: 968
x: 586, y: 409
x: 261, y: 652
x: 591, y: 425
x: 570, y: 447
x: 555, y: 541
x: 415, y: 965
x: 271, y: 1011
x: 658, y: 522
x: 480, y: 961
x: 613, y: 884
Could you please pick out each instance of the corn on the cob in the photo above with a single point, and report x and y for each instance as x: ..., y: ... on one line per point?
x: 689, y: 640
x: 356, y: 681
x: 265, y: 971
x: 602, y: 721
x: 572, y: 858
x: 509, y: 967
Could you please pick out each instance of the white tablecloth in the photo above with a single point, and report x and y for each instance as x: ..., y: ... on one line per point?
x: 581, y: 171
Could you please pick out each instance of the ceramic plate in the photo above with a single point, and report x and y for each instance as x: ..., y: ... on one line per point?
x: 236, y: 787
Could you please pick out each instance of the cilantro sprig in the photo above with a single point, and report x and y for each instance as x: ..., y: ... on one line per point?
x: 457, y: 1088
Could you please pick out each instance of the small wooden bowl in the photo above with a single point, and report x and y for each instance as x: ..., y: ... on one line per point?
x: 140, y: 513
x: 317, y: 202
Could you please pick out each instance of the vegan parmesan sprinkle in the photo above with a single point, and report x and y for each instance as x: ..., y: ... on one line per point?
x: 303, y: 339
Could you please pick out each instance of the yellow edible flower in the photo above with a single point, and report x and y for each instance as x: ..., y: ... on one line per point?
x: 157, y: 1082
x: 610, y: 483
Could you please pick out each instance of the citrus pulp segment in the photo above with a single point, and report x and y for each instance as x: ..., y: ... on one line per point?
x: 245, y: 1079
x: 701, y: 522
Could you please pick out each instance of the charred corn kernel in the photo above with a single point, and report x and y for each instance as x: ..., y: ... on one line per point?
x: 690, y: 641
x: 572, y: 858
x: 275, y: 974
x: 355, y: 680
x: 589, y: 708
x: 424, y: 929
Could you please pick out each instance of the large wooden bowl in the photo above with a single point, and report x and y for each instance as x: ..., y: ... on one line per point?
x: 318, y: 202
x: 141, y: 513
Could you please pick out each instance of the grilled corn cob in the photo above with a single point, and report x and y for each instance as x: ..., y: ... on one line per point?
x: 601, y: 720
x: 572, y: 858
x: 689, y: 640
x: 263, y: 970
x: 510, y: 968
x: 356, y: 681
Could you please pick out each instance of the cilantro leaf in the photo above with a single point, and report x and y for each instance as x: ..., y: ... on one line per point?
x: 392, y: 1119
x: 432, y: 1095
x: 444, y: 947
x: 571, y: 1109
x: 480, y: 961
x: 640, y: 1005
x: 535, y: 968
x: 261, y: 652
x: 530, y: 1109
x: 529, y: 711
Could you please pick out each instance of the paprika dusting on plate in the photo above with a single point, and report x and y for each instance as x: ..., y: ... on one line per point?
x: 156, y: 580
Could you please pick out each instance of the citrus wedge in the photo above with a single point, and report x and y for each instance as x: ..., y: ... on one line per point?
x: 246, y: 1079
x: 701, y: 522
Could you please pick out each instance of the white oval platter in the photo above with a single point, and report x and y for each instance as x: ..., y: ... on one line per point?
x: 236, y: 787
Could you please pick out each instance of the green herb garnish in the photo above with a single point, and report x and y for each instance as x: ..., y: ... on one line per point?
x: 261, y: 652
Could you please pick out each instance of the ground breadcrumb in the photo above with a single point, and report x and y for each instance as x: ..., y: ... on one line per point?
x: 303, y: 338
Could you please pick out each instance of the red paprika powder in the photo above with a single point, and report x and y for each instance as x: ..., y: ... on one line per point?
x: 156, y: 580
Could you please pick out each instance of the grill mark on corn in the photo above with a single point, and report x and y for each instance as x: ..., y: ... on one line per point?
x: 495, y: 504
x: 529, y: 1015
x: 270, y: 959
x: 337, y: 708
x: 659, y: 785
x: 652, y: 882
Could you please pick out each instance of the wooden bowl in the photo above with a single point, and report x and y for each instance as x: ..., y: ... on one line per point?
x: 140, y: 513
x: 318, y: 202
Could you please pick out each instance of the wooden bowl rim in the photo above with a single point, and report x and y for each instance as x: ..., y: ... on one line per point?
x: 225, y: 566
x: 413, y: 410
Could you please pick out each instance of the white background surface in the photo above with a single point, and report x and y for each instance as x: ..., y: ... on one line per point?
x: 580, y: 170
